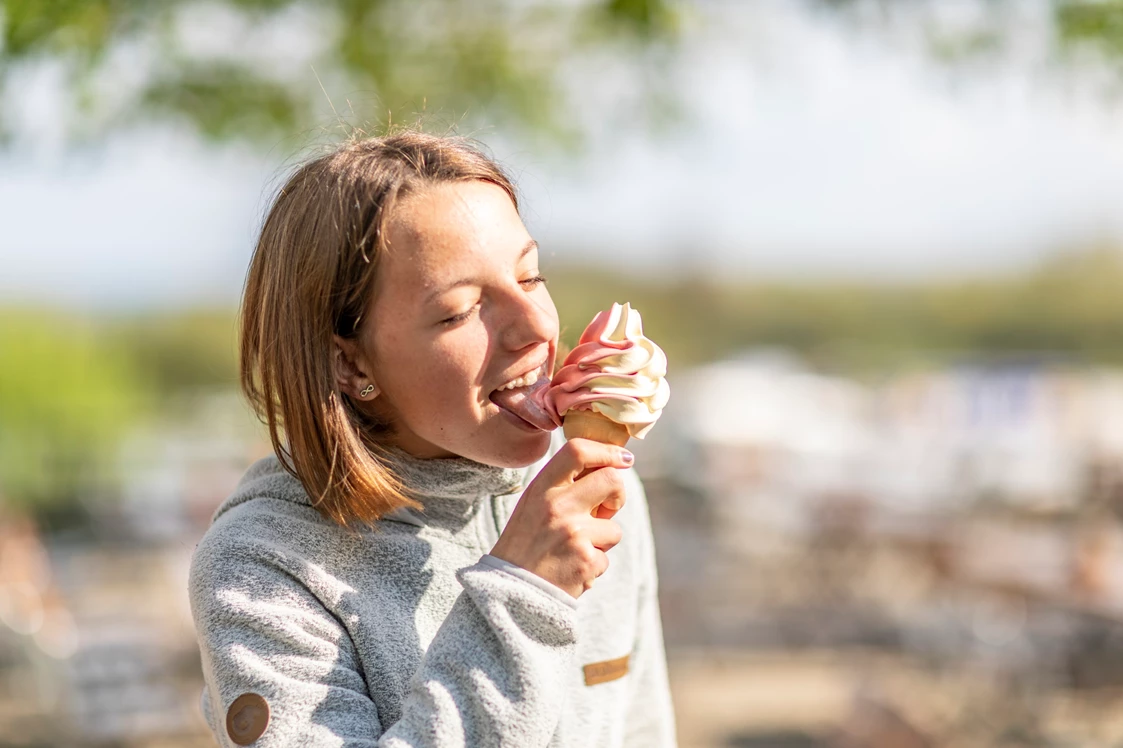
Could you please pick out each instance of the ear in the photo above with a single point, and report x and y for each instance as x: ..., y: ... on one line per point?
x: 352, y: 371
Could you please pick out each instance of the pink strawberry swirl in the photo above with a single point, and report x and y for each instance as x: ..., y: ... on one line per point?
x: 615, y: 371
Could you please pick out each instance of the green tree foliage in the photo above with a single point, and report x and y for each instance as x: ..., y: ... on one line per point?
x: 1069, y: 308
x: 264, y: 70
x: 65, y: 400
x: 967, y: 31
x: 1098, y: 23
x: 252, y: 69
x: 179, y: 353
x: 72, y: 387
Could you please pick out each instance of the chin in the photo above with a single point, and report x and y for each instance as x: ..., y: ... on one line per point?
x: 516, y: 453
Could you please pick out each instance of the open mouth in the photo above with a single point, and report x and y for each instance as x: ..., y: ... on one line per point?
x: 522, y: 397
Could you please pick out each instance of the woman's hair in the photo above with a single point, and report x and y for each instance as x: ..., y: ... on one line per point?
x: 311, y: 276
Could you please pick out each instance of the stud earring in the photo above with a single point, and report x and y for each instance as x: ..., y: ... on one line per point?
x: 367, y: 390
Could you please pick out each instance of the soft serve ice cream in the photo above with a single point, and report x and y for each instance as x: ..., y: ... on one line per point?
x: 614, y: 373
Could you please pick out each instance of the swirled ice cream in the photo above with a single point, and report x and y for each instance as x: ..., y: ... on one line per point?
x: 615, y: 372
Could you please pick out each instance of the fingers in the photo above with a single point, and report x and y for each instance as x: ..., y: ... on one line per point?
x: 604, y: 534
x: 599, y: 567
x: 578, y: 455
x: 589, y: 541
x: 581, y: 464
x: 584, y: 544
x: 594, y: 563
x: 562, y: 527
x: 603, y: 491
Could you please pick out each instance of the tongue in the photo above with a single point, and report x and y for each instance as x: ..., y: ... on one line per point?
x: 525, y: 402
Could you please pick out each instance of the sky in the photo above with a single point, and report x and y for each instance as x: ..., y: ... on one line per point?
x: 807, y: 150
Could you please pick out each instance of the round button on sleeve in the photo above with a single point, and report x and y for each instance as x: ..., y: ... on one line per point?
x: 247, y: 718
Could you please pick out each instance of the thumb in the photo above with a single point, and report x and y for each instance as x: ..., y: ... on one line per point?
x: 581, y: 456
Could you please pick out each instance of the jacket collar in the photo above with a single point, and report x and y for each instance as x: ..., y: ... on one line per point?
x: 449, y: 489
x: 453, y: 477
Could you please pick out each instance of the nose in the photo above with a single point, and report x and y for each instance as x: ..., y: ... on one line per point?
x: 531, y: 319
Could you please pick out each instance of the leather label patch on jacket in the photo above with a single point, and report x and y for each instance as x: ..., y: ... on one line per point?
x: 247, y: 718
x: 603, y: 672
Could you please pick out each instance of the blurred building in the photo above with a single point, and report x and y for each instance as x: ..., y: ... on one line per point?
x: 960, y: 519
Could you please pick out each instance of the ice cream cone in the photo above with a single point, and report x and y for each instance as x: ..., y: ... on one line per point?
x: 613, y: 385
x: 587, y: 424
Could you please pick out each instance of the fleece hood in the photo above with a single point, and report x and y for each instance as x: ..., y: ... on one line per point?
x: 446, y: 484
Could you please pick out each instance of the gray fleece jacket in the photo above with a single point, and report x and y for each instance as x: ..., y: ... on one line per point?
x: 410, y: 634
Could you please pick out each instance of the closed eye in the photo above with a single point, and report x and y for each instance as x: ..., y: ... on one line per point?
x: 528, y: 283
x: 460, y: 317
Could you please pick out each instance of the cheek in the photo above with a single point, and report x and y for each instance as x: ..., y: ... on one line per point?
x: 444, y: 374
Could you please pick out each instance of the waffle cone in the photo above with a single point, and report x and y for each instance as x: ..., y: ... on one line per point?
x: 586, y: 424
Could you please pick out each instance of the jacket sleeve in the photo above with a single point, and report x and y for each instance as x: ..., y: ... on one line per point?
x: 651, y: 718
x: 489, y: 676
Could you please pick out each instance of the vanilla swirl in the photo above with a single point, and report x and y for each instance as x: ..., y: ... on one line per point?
x: 615, y: 371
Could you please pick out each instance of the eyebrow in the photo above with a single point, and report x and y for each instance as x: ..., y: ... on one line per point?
x: 530, y: 246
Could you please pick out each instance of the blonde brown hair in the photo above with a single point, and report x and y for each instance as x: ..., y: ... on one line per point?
x: 312, y: 275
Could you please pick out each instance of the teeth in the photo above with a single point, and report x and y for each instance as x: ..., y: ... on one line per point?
x: 524, y: 381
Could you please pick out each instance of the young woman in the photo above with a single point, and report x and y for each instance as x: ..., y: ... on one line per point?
x: 415, y: 565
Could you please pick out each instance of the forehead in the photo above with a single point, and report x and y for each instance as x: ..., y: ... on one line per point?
x: 444, y: 230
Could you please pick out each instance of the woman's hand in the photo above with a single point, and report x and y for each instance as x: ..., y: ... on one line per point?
x: 562, y: 526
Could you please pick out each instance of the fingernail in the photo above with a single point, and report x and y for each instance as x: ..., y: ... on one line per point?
x: 627, y: 457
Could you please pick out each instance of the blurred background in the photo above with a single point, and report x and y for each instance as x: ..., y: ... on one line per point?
x: 881, y: 243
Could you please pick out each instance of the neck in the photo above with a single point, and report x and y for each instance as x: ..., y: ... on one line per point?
x: 452, y: 477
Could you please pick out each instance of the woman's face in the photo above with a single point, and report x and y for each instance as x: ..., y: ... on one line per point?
x: 460, y: 310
